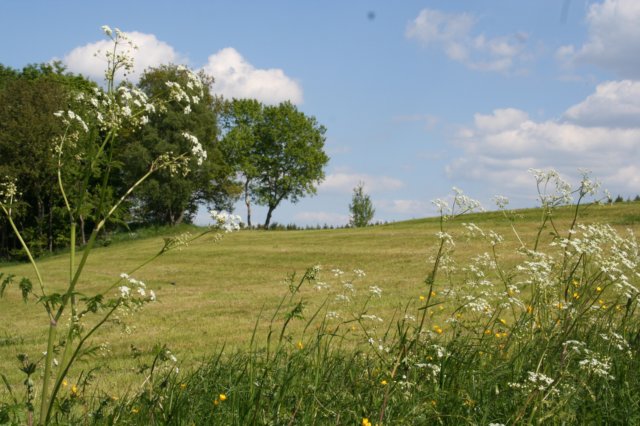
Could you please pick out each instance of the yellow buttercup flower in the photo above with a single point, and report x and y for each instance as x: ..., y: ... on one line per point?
x: 383, y: 383
x: 300, y: 345
x: 222, y: 397
x: 366, y: 422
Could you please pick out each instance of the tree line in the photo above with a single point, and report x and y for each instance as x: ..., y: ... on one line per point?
x: 263, y: 153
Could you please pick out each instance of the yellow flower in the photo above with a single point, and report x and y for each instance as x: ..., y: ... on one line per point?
x: 437, y: 329
x: 529, y: 309
x: 598, y: 289
x: 383, y: 383
x: 366, y: 422
x: 222, y: 397
x: 503, y: 321
x: 487, y: 331
x: 300, y: 345
x: 216, y: 402
x: 433, y: 294
x: 422, y: 298
x: 65, y: 383
x: 74, y: 390
x: 183, y: 386
x: 134, y: 410
x: 576, y: 295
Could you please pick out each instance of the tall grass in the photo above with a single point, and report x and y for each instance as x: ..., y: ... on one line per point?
x: 551, y: 338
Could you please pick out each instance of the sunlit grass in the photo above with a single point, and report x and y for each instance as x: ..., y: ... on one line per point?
x: 210, y: 294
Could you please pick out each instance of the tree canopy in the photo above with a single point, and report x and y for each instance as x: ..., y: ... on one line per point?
x: 361, y: 207
x: 165, y: 199
x: 278, y: 151
x: 29, y: 98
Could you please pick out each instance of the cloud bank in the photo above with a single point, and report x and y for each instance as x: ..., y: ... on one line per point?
x: 601, y: 133
x: 613, y: 42
x: 234, y: 75
x: 237, y: 78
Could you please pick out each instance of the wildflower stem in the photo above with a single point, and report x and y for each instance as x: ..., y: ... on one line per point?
x: 63, y: 372
x: 46, y: 400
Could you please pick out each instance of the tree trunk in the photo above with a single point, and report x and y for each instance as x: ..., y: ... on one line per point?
x: 179, y: 219
x: 50, y: 230
x: 268, y: 221
x: 247, y: 201
x: 82, y: 234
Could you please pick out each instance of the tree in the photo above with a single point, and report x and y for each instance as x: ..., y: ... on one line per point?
x: 361, y: 208
x: 28, y: 100
x: 167, y: 199
x: 241, y: 118
x: 277, y: 149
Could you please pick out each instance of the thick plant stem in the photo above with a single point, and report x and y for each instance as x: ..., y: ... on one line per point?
x: 44, y: 403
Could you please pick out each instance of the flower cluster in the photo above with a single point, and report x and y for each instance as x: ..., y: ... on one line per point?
x: 8, y: 191
x: 135, y: 290
x: 226, y: 221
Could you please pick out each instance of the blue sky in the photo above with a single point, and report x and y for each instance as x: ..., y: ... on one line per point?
x: 417, y: 96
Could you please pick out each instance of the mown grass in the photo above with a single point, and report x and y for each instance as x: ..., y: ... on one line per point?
x: 210, y: 296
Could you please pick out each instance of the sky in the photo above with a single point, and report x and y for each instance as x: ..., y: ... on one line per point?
x: 417, y: 96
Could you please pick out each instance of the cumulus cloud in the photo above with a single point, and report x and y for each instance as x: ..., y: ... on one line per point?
x: 345, y: 182
x: 599, y: 134
x: 237, y: 78
x: 234, y: 76
x: 453, y: 34
x: 613, y: 42
x: 150, y: 52
x: 614, y: 104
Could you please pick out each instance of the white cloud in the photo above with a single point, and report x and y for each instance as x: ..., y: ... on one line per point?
x: 237, y: 78
x: 234, y: 76
x: 598, y: 134
x: 614, y: 104
x: 321, y: 218
x: 614, y: 38
x: 406, y: 207
x: 345, y: 182
x: 453, y: 34
x: 150, y: 52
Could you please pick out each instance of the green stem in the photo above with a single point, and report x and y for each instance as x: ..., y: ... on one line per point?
x: 65, y: 370
x: 44, y: 404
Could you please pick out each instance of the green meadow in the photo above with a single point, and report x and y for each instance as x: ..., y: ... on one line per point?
x: 219, y: 298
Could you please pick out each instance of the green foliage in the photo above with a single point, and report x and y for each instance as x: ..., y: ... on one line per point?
x: 278, y: 150
x: 165, y: 198
x: 28, y: 101
x: 549, y: 339
x: 361, y: 207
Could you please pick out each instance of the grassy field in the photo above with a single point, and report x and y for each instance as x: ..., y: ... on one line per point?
x: 211, y: 294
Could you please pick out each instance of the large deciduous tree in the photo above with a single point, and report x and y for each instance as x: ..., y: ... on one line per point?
x: 241, y: 119
x: 28, y: 100
x: 166, y: 199
x: 278, y: 150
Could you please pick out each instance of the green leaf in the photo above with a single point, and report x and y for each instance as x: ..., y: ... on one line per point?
x: 5, y: 283
x: 26, y: 287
